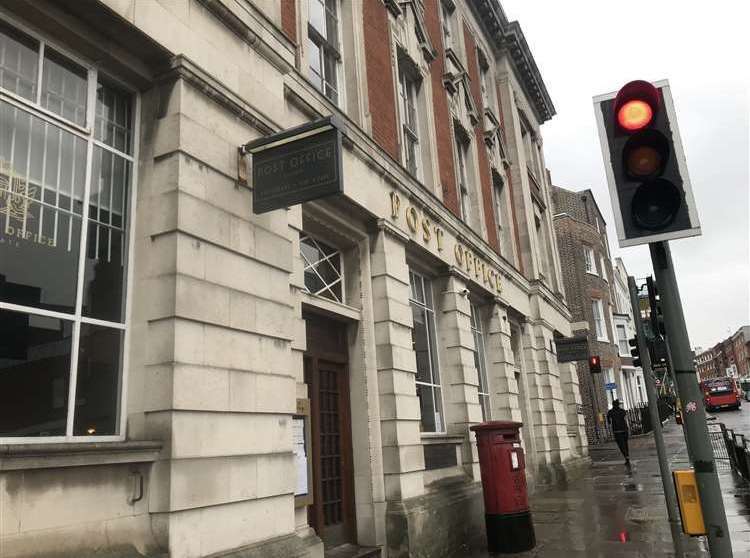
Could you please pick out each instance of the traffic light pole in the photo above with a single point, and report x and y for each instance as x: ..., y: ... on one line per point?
x: 653, y: 408
x: 694, y: 415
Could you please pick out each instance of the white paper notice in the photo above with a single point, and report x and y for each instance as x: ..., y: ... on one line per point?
x: 300, y: 455
x: 514, y: 460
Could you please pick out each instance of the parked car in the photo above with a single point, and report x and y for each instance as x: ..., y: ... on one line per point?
x: 721, y: 393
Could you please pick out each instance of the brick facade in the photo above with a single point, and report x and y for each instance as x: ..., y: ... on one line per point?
x: 576, y: 217
x: 289, y: 19
x: 485, y: 181
x: 443, y: 134
x: 380, y: 84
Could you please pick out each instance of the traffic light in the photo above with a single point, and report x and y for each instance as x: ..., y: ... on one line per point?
x: 656, y: 315
x: 635, y: 352
x: 595, y: 364
x: 645, y: 164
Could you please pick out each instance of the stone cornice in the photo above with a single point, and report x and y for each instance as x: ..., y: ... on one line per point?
x: 508, y: 36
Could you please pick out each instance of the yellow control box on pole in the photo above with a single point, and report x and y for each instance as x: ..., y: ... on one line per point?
x: 689, y: 501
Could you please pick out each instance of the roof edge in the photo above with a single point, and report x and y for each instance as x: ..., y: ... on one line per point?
x: 508, y: 36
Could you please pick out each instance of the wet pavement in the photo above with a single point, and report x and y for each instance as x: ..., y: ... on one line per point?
x: 619, y: 512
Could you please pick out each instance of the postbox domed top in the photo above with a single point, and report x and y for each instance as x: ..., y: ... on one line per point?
x: 497, y: 425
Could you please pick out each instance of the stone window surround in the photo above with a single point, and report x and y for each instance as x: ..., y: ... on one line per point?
x: 88, y: 133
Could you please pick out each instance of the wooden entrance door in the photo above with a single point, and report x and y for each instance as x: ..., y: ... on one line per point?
x: 327, y: 378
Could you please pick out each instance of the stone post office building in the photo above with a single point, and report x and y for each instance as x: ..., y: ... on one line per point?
x: 182, y: 377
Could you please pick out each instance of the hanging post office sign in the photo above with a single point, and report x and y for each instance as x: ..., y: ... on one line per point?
x: 572, y: 349
x: 297, y: 165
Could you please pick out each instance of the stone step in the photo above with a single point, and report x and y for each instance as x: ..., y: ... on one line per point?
x: 352, y: 551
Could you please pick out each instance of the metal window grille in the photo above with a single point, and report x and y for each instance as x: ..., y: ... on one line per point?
x: 322, y: 268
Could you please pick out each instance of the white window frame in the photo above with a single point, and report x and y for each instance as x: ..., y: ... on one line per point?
x: 433, y: 359
x: 408, y: 93
x: 603, y: 265
x: 447, y: 26
x: 623, y: 339
x: 600, y: 322
x: 464, y: 197
x: 87, y: 134
x: 480, y: 354
x: 589, y: 260
x: 324, y: 45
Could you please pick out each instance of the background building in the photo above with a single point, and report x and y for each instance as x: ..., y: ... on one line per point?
x: 633, y: 386
x: 729, y: 357
x: 182, y: 376
x: 588, y: 277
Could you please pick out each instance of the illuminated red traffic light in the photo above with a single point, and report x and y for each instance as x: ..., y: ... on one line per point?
x: 635, y: 115
x: 595, y: 365
x: 635, y: 106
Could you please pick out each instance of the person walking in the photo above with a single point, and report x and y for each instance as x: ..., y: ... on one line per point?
x: 617, y: 418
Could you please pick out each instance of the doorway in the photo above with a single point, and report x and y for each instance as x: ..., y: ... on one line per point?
x: 327, y: 376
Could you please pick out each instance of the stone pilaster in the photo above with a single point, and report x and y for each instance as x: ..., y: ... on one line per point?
x: 501, y: 367
x: 403, y: 458
x: 459, y: 376
x: 545, y: 398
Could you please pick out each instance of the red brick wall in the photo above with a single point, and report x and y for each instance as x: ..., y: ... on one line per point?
x: 444, y: 138
x: 484, y: 163
x: 289, y: 19
x: 380, y: 76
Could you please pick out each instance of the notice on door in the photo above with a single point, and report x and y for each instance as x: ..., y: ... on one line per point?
x: 300, y: 455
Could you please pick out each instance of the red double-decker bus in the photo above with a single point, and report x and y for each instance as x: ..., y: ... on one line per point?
x: 721, y: 393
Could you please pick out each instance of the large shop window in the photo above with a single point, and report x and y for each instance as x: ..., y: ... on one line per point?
x: 480, y: 362
x: 323, y: 51
x: 66, y: 165
x: 322, y: 268
x: 425, y: 347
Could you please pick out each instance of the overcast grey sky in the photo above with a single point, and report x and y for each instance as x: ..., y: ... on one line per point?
x: 584, y: 48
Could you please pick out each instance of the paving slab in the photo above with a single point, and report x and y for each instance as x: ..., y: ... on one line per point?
x: 615, y: 511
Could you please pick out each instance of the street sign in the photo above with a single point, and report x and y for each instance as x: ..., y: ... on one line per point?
x: 571, y: 349
x: 609, y: 386
x: 297, y: 165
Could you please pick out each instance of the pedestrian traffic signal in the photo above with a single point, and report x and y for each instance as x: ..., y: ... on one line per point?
x: 635, y: 351
x: 645, y: 164
x: 595, y: 364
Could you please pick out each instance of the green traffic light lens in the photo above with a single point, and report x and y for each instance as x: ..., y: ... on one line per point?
x: 655, y: 204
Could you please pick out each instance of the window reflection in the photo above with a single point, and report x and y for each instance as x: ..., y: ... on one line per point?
x: 104, y: 275
x: 19, y: 60
x: 42, y: 172
x: 34, y: 367
x: 98, y: 382
x: 64, y: 87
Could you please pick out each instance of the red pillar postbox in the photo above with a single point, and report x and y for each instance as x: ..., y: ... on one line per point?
x: 506, y: 501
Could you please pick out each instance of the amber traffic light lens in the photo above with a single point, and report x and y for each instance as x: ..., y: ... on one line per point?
x: 634, y: 115
x: 645, y: 154
x: 655, y: 204
x: 643, y: 161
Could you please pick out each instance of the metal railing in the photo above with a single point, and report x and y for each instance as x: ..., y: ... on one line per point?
x: 639, y: 422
